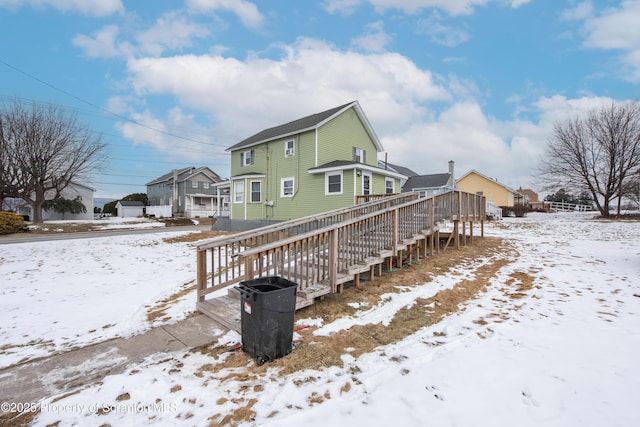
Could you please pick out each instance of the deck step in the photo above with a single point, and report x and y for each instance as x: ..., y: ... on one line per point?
x: 224, y: 310
x: 314, y: 291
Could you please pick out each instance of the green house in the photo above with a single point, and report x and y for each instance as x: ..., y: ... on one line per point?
x: 310, y: 165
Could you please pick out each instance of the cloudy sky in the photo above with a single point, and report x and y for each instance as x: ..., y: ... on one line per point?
x: 170, y: 84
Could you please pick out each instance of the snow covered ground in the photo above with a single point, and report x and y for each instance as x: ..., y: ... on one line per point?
x: 565, y: 354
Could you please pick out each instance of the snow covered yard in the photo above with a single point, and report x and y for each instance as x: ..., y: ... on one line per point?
x: 553, y: 341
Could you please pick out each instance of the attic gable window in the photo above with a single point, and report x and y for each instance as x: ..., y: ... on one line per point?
x: 246, y: 158
x: 289, y: 148
x: 359, y: 155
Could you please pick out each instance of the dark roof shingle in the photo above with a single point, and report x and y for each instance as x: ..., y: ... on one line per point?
x: 288, y: 128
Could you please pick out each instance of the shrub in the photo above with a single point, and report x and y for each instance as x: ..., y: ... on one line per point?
x: 11, y: 223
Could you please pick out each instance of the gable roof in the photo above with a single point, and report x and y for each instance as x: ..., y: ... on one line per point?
x: 185, y: 174
x: 397, y: 168
x: 495, y: 181
x: 134, y: 203
x: 307, y: 123
x: 427, y: 181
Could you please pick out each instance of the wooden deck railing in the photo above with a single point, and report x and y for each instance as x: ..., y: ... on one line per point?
x: 217, y: 259
x: 331, y: 247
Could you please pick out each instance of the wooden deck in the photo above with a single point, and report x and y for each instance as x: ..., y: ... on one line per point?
x: 323, y: 252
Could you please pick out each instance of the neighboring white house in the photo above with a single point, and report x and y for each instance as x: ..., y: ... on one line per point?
x: 127, y: 209
x: 73, y: 191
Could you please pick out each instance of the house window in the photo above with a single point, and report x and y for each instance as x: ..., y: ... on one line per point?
x: 286, y: 189
x: 246, y: 158
x: 333, y: 183
x: 205, y: 185
x: 256, y: 191
x: 194, y: 184
x: 238, y: 192
x: 289, y: 147
x: 359, y: 155
x: 366, y: 184
x: 479, y: 193
x: 389, y: 186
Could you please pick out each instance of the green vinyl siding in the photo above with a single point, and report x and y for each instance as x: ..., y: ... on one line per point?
x: 339, y: 136
x: 335, y: 140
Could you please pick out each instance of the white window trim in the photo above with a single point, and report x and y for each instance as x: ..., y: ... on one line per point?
x: 393, y: 185
x: 194, y: 184
x: 251, y: 191
x: 288, y: 153
x: 236, y: 193
x: 326, y: 183
x: 247, y: 158
x: 205, y: 184
x: 293, y: 186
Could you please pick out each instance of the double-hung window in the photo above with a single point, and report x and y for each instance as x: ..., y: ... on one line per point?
x: 238, y: 192
x: 359, y: 155
x: 247, y: 158
x: 333, y: 183
x: 286, y: 189
x: 256, y: 191
x: 389, y: 186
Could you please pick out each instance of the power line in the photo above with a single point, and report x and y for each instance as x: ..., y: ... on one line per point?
x: 107, y: 111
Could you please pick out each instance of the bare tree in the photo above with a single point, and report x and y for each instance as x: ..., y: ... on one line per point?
x: 596, y: 154
x: 43, y: 149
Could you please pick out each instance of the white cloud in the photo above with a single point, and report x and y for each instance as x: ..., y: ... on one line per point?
x: 581, y: 11
x: 452, y: 7
x: 423, y: 120
x: 343, y: 7
x: 440, y: 33
x: 85, y: 7
x: 617, y: 29
x: 374, y: 40
x: 389, y: 84
x: 103, y: 44
x: 247, y: 12
x: 162, y: 134
x: 172, y: 31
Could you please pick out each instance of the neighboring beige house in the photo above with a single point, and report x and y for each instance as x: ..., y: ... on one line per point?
x: 477, y: 183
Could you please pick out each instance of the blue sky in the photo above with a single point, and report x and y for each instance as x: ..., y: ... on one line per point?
x: 171, y: 84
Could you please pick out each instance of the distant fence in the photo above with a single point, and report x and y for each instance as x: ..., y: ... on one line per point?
x: 159, y: 211
x: 567, y: 207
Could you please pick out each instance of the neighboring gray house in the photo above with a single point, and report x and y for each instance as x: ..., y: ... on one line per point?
x: 191, y: 192
x: 128, y: 209
x: 72, y: 191
x: 399, y: 169
x: 428, y: 185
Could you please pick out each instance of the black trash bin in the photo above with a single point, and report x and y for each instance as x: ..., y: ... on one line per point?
x: 268, y: 306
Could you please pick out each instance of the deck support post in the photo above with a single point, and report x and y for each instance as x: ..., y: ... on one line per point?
x: 456, y: 233
x: 201, y: 279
